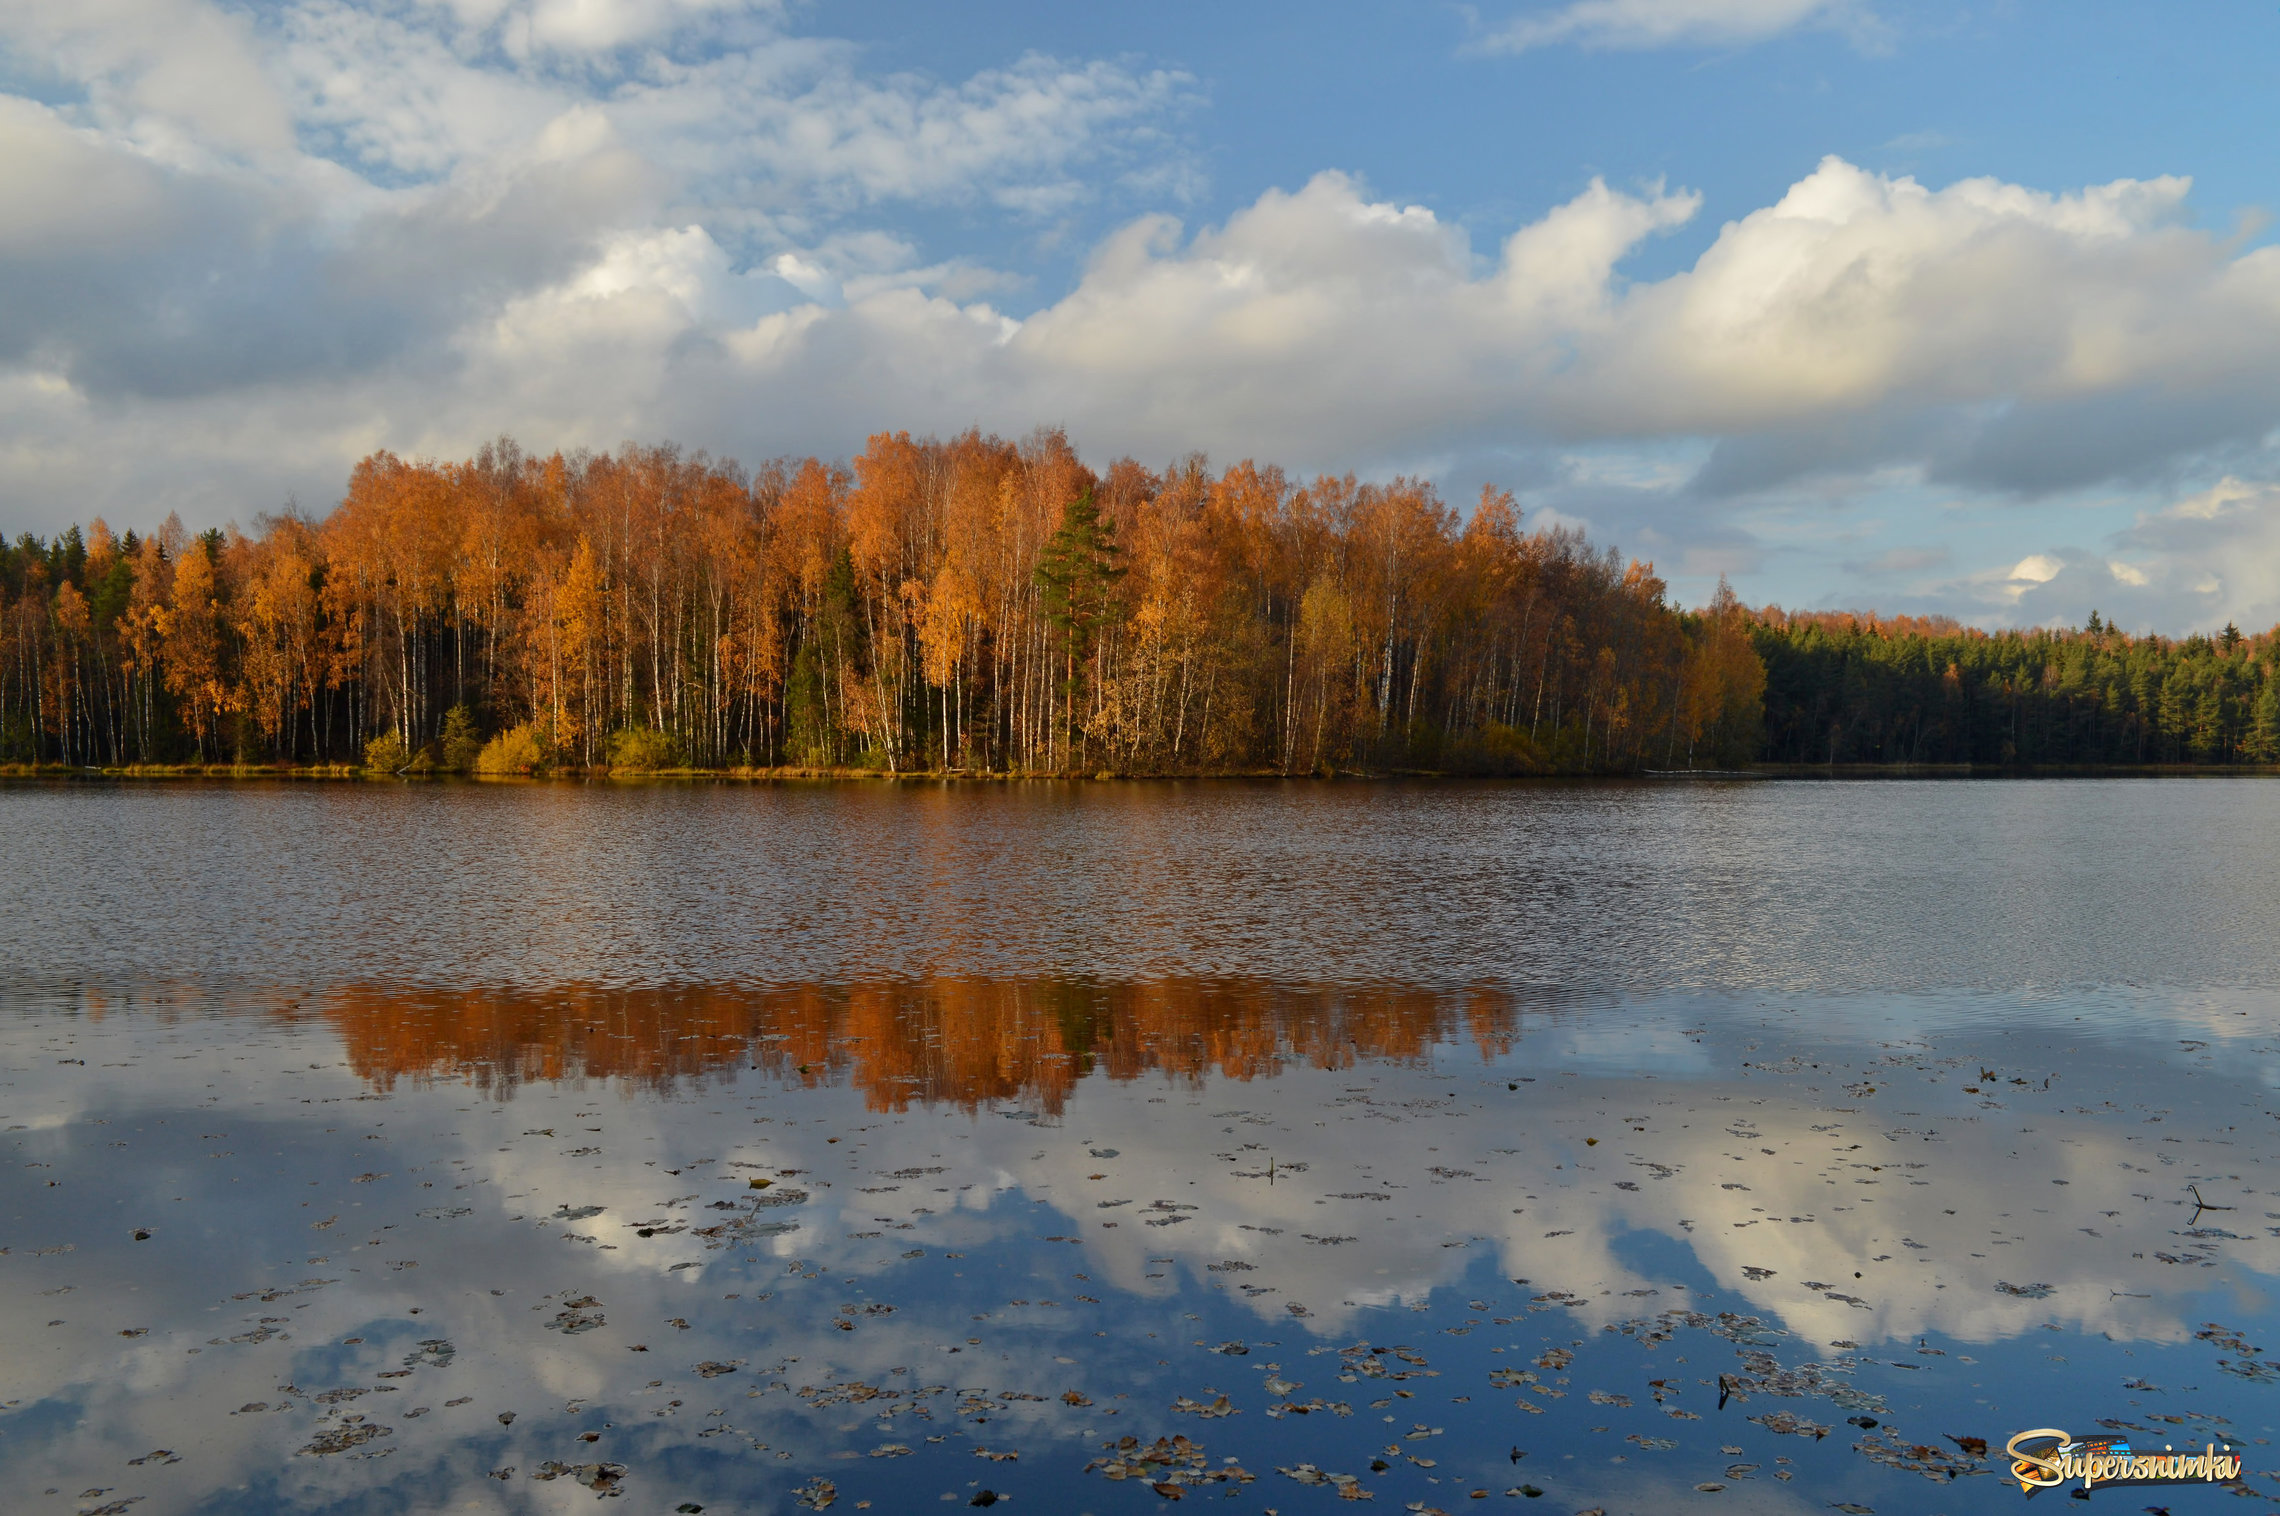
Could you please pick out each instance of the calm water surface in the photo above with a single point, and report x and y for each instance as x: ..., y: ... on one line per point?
x: 1758, y: 1147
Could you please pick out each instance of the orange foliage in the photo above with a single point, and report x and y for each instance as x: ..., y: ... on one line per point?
x: 885, y: 613
x: 947, y: 1041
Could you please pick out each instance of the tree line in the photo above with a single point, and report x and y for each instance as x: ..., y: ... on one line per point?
x: 1849, y: 688
x: 960, y: 605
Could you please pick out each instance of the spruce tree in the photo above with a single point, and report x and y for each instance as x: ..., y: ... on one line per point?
x: 1077, y: 575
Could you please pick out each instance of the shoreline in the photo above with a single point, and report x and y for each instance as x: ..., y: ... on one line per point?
x: 353, y: 773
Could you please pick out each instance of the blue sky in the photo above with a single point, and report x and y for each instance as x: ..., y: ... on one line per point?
x: 1943, y: 307
x: 1405, y: 97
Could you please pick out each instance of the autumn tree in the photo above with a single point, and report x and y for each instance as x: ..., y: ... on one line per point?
x: 968, y: 602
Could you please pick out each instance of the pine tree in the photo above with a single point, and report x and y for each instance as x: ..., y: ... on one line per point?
x: 1077, y: 575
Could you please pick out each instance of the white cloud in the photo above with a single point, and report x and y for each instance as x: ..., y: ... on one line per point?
x: 1859, y: 322
x: 371, y: 184
x: 386, y: 91
x: 1855, y: 290
x: 184, y: 80
x: 1674, y: 23
x: 2035, y: 568
x: 1973, y: 332
x: 587, y: 25
x: 796, y: 119
x: 770, y: 119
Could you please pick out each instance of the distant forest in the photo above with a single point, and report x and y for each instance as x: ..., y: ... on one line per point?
x: 981, y: 606
x: 1843, y: 688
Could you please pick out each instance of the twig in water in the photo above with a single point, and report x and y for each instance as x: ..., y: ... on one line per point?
x: 2200, y: 1205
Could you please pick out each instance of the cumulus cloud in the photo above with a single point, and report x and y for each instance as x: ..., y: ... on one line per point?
x: 1673, y: 23
x: 1988, y: 333
x: 1857, y: 323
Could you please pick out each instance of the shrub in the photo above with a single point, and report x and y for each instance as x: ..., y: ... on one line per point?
x: 386, y: 754
x: 461, y: 743
x: 1494, y: 749
x: 518, y: 750
x: 642, y: 750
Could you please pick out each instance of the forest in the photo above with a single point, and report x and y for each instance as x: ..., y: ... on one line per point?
x: 963, y: 606
x: 1862, y: 689
x: 978, y: 606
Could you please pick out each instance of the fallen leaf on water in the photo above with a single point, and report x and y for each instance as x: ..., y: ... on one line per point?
x: 340, y: 1439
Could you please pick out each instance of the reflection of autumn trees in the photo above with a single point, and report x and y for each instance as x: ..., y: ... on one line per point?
x: 954, y: 1041
x: 931, y: 605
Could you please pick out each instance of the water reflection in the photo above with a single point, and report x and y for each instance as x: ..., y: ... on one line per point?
x: 947, y: 1041
x: 367, y: 1250
x: 1834, y: 889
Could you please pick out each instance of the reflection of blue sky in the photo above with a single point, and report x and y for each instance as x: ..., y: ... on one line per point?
x: 1711, y: 1187
x: 1653, y: 1254
x: 1586, y: 1042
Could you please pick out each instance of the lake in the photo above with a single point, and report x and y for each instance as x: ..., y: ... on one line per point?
x: 1082, y: 1148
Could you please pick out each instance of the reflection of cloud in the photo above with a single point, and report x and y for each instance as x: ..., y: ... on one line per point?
x: 1835, y: 1189
x: 1936, y: 1213
x: 1826, y: 1178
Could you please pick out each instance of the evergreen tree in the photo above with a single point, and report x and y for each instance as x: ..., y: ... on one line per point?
x: 1077, y: 575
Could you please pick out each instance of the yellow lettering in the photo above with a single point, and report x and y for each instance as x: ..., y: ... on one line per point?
x: 2043, y: 1467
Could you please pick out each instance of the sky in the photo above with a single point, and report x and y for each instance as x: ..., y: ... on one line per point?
x: 1924, y: 306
